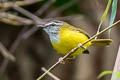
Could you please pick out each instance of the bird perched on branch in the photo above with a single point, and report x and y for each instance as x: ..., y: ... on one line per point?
x: 64, y: 37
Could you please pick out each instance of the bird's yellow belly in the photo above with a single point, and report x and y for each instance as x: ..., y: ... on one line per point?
x: 69, y: 40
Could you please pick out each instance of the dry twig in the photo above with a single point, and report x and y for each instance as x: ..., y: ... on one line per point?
x: 43, y: 8
x: 14, y: 20
x: 50, y: 74
x: 36, y: 19
x: 6, y: 53
x: 19, y: 3
x: 60, y: 9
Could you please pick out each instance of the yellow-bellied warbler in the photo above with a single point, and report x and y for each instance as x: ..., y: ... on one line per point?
x: 64, y: 37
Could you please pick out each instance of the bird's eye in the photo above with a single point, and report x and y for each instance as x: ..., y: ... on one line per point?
x: 52, y: 24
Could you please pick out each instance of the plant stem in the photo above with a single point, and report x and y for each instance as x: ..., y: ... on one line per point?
x: 116, y: 67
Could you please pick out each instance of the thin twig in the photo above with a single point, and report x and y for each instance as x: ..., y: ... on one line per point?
x: 9, y: 21
x: 18, y: 20
x: 29, y: 32
x: 60, y: 9
x: 43, y: 8
x: 74, y: 49
x: 19, y: 3
x: 36, y: 19
x: 116, y: 67
x: 50, y: 74
x: 6, y: 53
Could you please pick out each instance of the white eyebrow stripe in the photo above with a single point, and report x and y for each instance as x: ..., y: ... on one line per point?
x: 48, y: 24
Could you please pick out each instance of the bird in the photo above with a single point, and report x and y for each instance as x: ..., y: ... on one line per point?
x: 64, y: 37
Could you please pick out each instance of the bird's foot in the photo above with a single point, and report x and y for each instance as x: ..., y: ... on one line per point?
x: 81, y: 46
x: 71, y: 57
x: 61, y: 60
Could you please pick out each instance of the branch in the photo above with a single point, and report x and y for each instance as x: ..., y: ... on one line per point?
x: 29, y: 32
x: 15, y: 20
x: 9, y: 21
x: 44, y: 8
x: 50, y: 74
x: 19, y: 3
x: 36, y: 19
x: 62, y: 8
x: 6, y: 53
x: 74, y: 49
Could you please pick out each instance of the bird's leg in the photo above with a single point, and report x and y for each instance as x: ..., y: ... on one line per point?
x: 61, y: 60
x: 80, y: 46
x: 71, y: 57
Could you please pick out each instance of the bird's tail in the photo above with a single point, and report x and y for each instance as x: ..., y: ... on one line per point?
x: 101, y: 42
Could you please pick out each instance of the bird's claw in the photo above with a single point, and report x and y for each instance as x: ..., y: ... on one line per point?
x: 61, y: 60
x: 81, y: 46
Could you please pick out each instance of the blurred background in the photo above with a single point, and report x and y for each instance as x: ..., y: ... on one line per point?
x: 32, y: 48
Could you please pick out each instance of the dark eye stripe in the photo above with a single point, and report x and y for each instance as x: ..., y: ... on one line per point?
x: 53, y: 24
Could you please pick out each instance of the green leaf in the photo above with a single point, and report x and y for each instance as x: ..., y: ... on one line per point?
x: 106, y: 11
x: 118, y: 74
x: 104, y: 73
x: 113, y: 13
x: 108, y: 72
x: 104, y: 14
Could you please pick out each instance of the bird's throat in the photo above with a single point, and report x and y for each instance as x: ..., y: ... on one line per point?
x: 54, y: 37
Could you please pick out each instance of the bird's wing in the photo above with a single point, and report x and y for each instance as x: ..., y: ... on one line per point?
x: 80, y: 31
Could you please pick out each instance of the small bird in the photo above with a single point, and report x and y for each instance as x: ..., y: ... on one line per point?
x: 64, y: 37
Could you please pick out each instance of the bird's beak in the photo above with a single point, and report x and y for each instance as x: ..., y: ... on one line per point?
x: 41, y: 25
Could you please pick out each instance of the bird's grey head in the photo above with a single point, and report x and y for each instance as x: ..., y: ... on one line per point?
x: 52, y: 28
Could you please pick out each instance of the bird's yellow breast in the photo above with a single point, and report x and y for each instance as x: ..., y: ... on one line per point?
x: 70, y: 39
